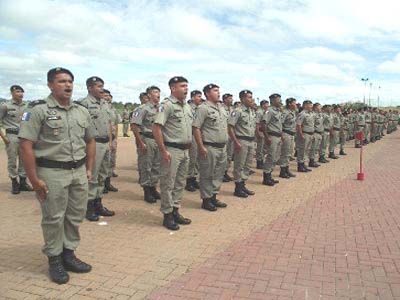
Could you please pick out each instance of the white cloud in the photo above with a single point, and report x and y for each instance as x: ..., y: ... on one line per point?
x: 391, y: 67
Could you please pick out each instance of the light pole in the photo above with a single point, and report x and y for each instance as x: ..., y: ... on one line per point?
x: 365, y: 85
x: 379, y: 89
x: 369, y: 95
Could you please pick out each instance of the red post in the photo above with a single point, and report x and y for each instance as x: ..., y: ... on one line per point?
x: 360, y: 176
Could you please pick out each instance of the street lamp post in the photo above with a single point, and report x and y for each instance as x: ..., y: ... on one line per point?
x: 365, y: 85
x: 369, y: 95
x: 379, y: 89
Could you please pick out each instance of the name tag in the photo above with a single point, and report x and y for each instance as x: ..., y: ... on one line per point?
x: 53, y: 118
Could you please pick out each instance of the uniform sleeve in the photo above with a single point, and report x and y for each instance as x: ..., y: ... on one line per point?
x: 89, y: 131
x: 233, y: 118
x: 300, y: 119
x: 267, y: 118
x: 3, y: 112
x: 138, y: 116
x: 31, y: 124
x: 200, y: 116
x: 163, y: 114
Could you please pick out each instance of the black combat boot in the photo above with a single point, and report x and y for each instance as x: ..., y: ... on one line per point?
x: 179, y: 219
x: 148, y: 195
x: 196, y: 184
x: 342, y: 152
x: 332, y: 155
x: 114, y: 174
x: 109, y: 186
x: 247, y: 191
x: 267, y: 180
x: 74, y: 264
x: 226, y: 178
x: 90, y: 212
x: 15, y: 188
x: 322, y: 159
x: 283, y: 173
x: 313, y: 164
x: 190, y: 186
x: 218, y: 203
x: 357, y: 146
x: 154, y: 192
x: 239, y: 192
x: 23, y: 185
x: 102, y: 210
x: 302, y: 168
x: 208, y: 205
x: 169, y: 222
x: 366, y: 142
x: 260, y: 165
x: 289, y: 173
x: 305, y: 167
x: 105, y: 190
x: 57, y: 271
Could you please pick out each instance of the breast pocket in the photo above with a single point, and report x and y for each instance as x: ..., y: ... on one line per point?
x: 54, y: 129
x: 80, y: 129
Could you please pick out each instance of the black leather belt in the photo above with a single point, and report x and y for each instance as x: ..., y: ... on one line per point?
x: 215, y: 145
x: 66, y: 165
x: 289, y: 132
x: 309, y: 133
x: 12, y: 130
x: 368, y: 122
x: 360, y: 125
x: 275, y: 134
x: 336, y: 129
x: 102, y: 140
x: 246, y: 138
x: 178, y: 146
x: 319, y: 132
x: 148, y: 135
x: 327, y: 130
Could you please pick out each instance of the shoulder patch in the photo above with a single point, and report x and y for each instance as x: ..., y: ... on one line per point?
x: 37, y: 102
x: 233, y: 113
x: 26, y: 116
x: 161, y: 108
x: 136, y: 112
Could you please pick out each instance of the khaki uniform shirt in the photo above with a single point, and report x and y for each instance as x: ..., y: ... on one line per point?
x: 211, y: 119
x: 100, y: 116
x: 327, y: 121
x: 273, y: 120
x: 319, y: 122
x: 306, y: 119
x: 289, y: 120
x: 176, y: 120
x: 244, y: 121
x: 125, y: 116
x: 144, y: 117
x: 59, y: 133
x: 11, y: 114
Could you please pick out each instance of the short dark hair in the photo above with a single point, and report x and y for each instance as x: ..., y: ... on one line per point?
x: 52, y: 73
x: 151, y: 88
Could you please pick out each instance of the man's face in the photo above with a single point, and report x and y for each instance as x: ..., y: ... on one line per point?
x: 196, y: 99
x: 265, y: 106
x: 62, y: 86
x: 107, y: 97
x: 144, y: 99
x: 96, y: 90
x: 308, y: 106
x: 293, y: 105
x: 17, y: 95
x: 154, y: 95
x: 179, y: 90
x: 228, y: 100
x: 318, y: 108
x: 247, y: 100
x: 213, y: 95
x: 277, y: 102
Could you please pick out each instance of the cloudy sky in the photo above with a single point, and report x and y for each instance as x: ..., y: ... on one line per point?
x: 315, y: 49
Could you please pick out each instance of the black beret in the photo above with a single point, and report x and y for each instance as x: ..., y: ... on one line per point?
x: 51, y: 74
x: 226, y: 96
x: 307, y: 102
x: 244, y: 93
x: 194, y: 93
x: 262, y: 102
x: 16, y: 88
x: 177, y: 79
x: 91, y: 80
x: 274, y: 96
x: 209, y: 87
x: 153, y: 87
x: 316, y: 104
x: 290, y: 100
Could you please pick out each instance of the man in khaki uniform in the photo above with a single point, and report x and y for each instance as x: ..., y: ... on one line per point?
x: 115, y: 120
x: 260, y: 138
x: 336, y: 127
x: 142, y: 127
x: 344, y: 130
x: 327, y: 122
x: 172, y: 131
x: 367, y: 127
x: 100, y: 120
x: 272, y: 128
x: 241, y: 129
x: 211, y: 134
x: 227, y: 100
x: 359, y: 128
x: 125, y: 121
x: 318, y: 132
x: 56, y: 142
x: 191, y: 182
x: 10, y: 118
x: 305, y: 133
x: 288, y: 133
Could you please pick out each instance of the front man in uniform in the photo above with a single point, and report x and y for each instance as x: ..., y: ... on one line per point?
x: 10, y: 118
x: 305, y: 133
x: 172, y: 131
x: 56, y: 143
x: 211, y: 135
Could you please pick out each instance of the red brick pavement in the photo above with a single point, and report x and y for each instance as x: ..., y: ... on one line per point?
x: 343, y: 244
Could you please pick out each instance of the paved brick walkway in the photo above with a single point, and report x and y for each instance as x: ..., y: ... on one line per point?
x: 322, y: 233
x: 342, y: 244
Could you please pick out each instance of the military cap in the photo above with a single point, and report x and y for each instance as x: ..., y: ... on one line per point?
x: 290, y: 100
x: 177, y: 79
x: 225, y: 96
x: 194, y: 93
x: 92, y: 80
x: 274, y: 96
x: 244, y: 93
x: 262, y: 102
x: 52, y: 73
x: 307, y: 102
x: 316, y: 104
x: 16, y: 88
x: 209, y: 87
x: 153, y: 87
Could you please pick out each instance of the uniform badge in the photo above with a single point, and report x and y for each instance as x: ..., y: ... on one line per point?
x: 26, y: 116
x: 233, y: 113
x: 136, y: 113
x: 161, y: 108
x: 56, y: 131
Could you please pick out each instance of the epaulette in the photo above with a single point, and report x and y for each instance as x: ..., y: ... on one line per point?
x: 37, y: 102
x: 79, y: 103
